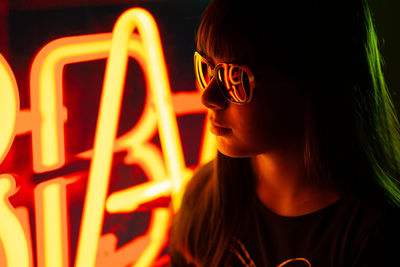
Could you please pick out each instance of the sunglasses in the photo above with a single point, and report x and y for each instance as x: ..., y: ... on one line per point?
x: 236, y: 82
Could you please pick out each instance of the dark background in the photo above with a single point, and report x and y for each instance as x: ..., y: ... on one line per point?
x: 74, y: 16
x: 387, y: 21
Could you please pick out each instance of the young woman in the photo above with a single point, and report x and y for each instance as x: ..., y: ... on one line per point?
x: 308, y: 164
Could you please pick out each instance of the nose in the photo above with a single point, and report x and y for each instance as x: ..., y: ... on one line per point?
x: 212, y: 97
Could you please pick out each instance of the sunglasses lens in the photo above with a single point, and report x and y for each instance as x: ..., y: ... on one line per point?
x: 203, y: 72
x: 236, y: 82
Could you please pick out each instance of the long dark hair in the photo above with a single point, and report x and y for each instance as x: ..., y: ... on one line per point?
x: 352, y: 136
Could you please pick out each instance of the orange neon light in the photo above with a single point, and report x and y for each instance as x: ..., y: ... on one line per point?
x: 51, y: 223
x: 165, y: 168
x: 9, y: 106
x: 47, y: 109
x: 12, y: 235
x: 107, y: 126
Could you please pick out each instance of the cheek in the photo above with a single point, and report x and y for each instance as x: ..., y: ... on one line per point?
x: 274, y: 120
x: 252, y: 131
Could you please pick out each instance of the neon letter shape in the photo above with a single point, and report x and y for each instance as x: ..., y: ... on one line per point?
x: 107, y: 124
x: 12, y: 235
x: 46, y: 81
x: 51, y: 223
x: 9, y: 106
x: 46, y: 100
x: 47, y: 110
x: 13, y: 239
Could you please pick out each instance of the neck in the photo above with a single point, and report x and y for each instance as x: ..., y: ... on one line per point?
x: 283, y: 187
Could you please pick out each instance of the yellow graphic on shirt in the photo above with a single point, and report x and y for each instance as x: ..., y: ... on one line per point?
x: 297, y: 260
x: 243, y: 255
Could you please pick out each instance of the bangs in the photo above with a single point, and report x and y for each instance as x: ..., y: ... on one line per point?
x: 226, y: 33
x: 212, y: 40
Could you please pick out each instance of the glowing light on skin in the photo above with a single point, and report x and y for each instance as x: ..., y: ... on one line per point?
x: 9, y: 106
x: 12, y: 234
x: 51, y: 223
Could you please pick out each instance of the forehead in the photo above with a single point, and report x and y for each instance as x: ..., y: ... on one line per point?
x: 214, y: 59
x: 222, y: 48
x: 263, y: 72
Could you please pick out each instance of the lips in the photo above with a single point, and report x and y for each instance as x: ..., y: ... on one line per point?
x: 218, y: 128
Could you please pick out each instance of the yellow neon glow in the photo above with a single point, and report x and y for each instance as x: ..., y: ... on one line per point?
x: 208, y: 146
x: 99, y: 49
x: 9, y: 106
x: 123, y: 201
x: 187, y: 103
x: 108, y: 122
x: 148, y: 156
x: 48, y: 115
x: 12, y: 234
x: 159, y: 86
x: 219, y: 76
x: 199, y: 73
x: 47, y: 109
x: 166, y: 170
x: 158, y: 228
x: 51, y: 223
x: 22, y: 214
x: 225, y: 68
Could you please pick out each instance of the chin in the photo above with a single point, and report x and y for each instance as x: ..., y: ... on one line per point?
x: 234, y: 152
x: 241, y: 150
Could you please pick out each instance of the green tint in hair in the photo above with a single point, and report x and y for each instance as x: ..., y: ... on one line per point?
x: 384, y: 151
x: 352, y: 138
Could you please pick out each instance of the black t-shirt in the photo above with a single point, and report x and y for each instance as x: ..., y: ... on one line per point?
x: 354, y: 232
x: 350, y: 232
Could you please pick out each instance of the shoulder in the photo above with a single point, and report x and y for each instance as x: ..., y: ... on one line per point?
x: 370, y: 213
x: 200, y: 178
x: 376, y: 213
x: 377, y: 240
x: 204, y: 171
x: 196, y: 189
x: 190, y: 220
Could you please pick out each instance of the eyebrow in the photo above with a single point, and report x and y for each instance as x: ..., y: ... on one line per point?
x: 212, y: 63
x: 209, y: 59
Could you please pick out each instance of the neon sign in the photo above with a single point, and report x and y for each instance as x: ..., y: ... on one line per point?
x: 135, y: 35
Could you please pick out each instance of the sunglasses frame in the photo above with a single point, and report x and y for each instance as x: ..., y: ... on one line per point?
x: 224, y: 90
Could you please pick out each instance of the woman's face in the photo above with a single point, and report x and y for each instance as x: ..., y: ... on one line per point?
x: 273, y: 120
